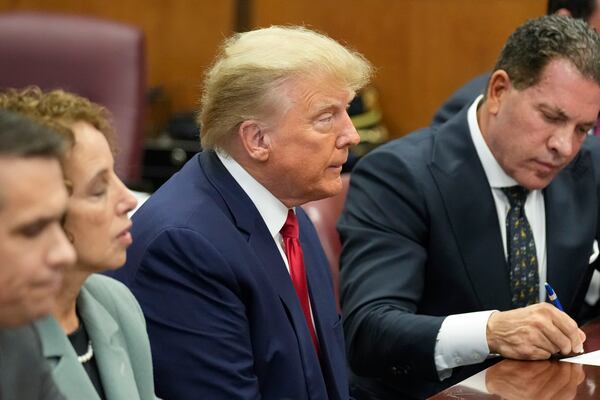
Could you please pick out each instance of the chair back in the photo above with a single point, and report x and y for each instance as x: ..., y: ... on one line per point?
x: 101, y: 60
x: 324, y: 214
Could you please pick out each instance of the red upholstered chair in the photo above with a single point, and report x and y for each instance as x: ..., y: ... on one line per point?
x: 324, y: 214
x: 98, y: 59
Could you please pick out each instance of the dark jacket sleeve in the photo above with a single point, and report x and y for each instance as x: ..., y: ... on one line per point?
x: 384, y: 230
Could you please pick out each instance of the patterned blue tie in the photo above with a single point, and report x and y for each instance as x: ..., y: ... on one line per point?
x: 522, y: 258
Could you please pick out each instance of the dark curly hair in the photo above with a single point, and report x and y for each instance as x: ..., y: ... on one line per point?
x: 58, y: 110
x: 538, y: 41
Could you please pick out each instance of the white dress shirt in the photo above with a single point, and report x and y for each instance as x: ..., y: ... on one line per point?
x: 462, y: 337
x: 272, y: 211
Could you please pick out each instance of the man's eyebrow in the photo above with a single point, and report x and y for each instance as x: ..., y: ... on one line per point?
x: 41, y: 221
x: 328, y: 105
x: 559, y: 112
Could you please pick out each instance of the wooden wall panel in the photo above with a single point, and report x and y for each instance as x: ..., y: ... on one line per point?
x: 182, y: 36
x: 423, y: 49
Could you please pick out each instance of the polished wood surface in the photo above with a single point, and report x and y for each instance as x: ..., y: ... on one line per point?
x: 533, y: 380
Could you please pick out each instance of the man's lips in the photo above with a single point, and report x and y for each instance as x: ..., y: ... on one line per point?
x: 546, y: 166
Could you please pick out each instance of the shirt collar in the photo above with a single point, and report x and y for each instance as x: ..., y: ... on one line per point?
x: 496, y: 176
x: 272, y: 211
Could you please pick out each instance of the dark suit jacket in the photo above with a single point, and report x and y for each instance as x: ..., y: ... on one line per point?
x: 421, y: 241
x: 24, y: 374
x: 463, y: 96
x: 223, y: 318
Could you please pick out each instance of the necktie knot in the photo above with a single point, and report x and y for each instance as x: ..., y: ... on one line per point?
x: 516, y: 195
x: 290, y: 227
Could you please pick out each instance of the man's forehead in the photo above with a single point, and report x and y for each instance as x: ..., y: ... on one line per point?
x: 30, y: 188
x: 327, y: 97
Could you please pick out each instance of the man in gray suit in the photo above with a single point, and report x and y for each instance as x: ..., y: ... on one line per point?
x: 449, y: 234
x: 33, y: 251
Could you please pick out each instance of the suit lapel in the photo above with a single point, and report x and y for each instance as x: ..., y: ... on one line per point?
x: 469, y: 204
x: 323, y: 306
x: 271, y: 261
x: 69, y: 375
x: 115, y: 369
x: 569, y: 229
x: 250, y: 223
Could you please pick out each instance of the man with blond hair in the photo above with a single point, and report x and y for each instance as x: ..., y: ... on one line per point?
x: 227, y: 267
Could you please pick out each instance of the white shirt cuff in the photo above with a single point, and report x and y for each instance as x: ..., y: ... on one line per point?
x: 461, y: 341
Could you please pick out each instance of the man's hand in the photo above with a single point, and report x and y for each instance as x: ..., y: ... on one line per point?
x: 533, y: 333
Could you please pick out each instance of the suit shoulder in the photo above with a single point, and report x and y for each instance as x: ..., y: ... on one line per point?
x: 24, y: 337
x: 409, y: 154
x: 112, y: 294
x: 24, y: 373
x: 105, y: 286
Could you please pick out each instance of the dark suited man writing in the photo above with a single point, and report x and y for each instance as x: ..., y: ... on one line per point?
x: 227, y: 268
x: 449, y: 234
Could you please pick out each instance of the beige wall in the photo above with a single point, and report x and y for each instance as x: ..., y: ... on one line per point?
x: 423, y: 49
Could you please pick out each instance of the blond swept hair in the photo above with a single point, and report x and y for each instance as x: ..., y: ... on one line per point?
x: 241, y: 84
x: 58, y: 110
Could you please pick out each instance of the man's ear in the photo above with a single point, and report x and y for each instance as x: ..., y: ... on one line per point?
x: 255, y: 140
x: 499, y: 85
x: 563, y: 11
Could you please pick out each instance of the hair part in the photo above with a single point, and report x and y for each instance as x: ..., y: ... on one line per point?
x: 59, y: 110
x: 243, y: 82
x: 533, y: 45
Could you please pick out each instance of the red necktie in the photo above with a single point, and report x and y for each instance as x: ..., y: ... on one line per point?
x: 293, y: 251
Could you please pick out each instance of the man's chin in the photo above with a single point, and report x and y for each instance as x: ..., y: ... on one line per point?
x: 536, y: 182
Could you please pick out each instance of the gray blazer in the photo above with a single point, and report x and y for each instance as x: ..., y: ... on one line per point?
x: 24, y: 374
x: 117, y: 329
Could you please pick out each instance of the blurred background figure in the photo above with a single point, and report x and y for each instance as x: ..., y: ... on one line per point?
x: 33, y: 251
x: 96, y: 338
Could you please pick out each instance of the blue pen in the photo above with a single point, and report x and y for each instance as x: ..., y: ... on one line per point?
x: 553, y: 297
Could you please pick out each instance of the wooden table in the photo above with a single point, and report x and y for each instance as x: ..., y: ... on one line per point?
x: 533, y: 380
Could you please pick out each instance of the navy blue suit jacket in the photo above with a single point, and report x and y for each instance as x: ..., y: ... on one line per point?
x: 421, y: 241
x: 223, y: 318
